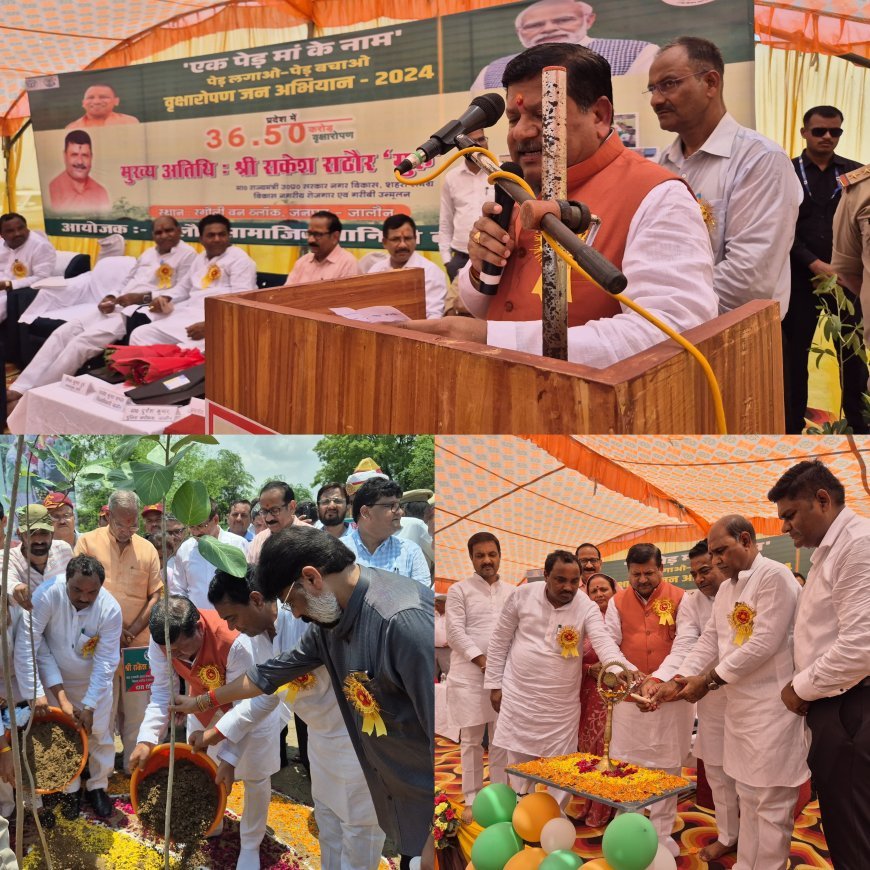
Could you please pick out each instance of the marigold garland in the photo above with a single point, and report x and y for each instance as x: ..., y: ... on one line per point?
x: 742, y: 620
x: 210, y: 676
x: 626, y: 784
x: 568, y: 638
x: 364, y: 703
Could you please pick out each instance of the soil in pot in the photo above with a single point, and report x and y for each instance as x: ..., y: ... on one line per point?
x: 54, y: 753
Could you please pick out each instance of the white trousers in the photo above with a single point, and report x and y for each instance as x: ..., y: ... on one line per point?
x: 168, y: 330
x: 766, y: 825
x: 522, y: 786
x: 346, y: 847
x: 128, y: 711
x: 68, y: 348
x: 252, y: 827
x: 663, y: 813
x: 471, y: 760
x: 724, y: 791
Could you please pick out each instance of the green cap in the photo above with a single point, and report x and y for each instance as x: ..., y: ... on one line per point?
x: 34, y: 518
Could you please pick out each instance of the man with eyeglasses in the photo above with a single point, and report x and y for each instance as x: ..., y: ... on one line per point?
x: 332, y: 509
x: 326, y: 260
x: 377, y: 512
x: 277, y: 506
x: 62, y: 512
x: 192, y: 572
x: 744, y: 182
x: 133, y: 579
x: 818, y: 169
x: 589, y: 558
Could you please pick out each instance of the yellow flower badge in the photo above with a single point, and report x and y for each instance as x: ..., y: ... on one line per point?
x: 664, y: 609
x: 164, y: 275
x: 210, y: 676
x: 568, y: 638
x: 742, y: 620
x: 90, y: 647
x: 294, y: 687
x: 362, y: 700
x: 214, y: 272
x: 19, y: 270
x: 707, y: 213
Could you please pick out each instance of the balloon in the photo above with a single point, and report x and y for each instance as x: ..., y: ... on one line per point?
x: 558, y: 834
x: 494, y: 803
x: 469, y: 866
x: 532, y: 813
x: 597, y: 864
x: 630, y: 842
x: 495, y: 846
x: 663, y: 860
x: 562, y: 859
x: 528, y: 859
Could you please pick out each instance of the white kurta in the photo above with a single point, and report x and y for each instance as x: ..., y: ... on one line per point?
x: 36, y: 256
x: 540, y: 707
x: 473, y: 608
x: 435, y: 279
x: 192, y: 574
x: 765, y: 743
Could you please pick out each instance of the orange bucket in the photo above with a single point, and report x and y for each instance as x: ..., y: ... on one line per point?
x: 159, y: 757
x: 55, y: 714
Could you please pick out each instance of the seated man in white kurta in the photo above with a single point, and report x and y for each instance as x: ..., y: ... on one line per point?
x: 749, y: 640
x: 25, y: 256
x: 77, y: 634
x: 535, y: 665
x: 349, y: 835
x: 220, y: 269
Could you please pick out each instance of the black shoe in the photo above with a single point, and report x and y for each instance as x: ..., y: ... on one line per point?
x: 70, y: 805
x: 99, y: 800
x: 47, y: 819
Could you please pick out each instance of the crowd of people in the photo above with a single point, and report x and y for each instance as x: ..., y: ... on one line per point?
x: 775, y: 672
x: 330, y: 608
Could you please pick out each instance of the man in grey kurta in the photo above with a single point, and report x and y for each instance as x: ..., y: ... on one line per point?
x: 371, y: 629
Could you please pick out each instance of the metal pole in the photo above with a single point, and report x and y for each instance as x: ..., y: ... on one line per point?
x: 554, y: 185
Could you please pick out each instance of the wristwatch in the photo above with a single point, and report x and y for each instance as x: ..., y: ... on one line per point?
x: 714, y: 681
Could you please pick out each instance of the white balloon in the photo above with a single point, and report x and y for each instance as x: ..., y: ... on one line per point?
x: 558, y: 834
x: 663, y: 860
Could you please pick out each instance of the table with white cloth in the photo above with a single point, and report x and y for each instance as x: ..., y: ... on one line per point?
x: 56, y: 408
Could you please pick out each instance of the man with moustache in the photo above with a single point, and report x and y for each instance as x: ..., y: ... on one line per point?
x: 644, y: 619
x: 374, y: 632
x: 326, y: 260
x: 694, y: 613
x: 473, y: 609
x: 534, y: 665
x: 746, y: 651
x: 74, y: 191
x: 239, y: 519
x: 652, y: 231
x: 277, y: 505
x: 831, y: 681
x: 332, y: 509
x: 589, y: 559
x: 25, y: 256
x: 63, y: 515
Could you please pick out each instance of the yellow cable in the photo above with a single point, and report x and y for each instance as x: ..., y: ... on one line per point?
x: 716, y: 393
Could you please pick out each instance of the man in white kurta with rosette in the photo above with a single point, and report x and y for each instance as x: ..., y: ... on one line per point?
x: 644, y: 619
x: 473, y: 609
x: 76, y: 627
x: 749, y: 640
x: 535, y: 665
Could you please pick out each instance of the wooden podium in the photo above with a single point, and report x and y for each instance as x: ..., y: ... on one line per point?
x: 284, y: 360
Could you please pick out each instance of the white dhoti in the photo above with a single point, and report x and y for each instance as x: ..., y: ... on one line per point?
x: 766, y: 825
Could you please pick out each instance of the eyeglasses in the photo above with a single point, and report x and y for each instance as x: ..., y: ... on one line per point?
x: 62, y: 518
x: 284, y: 604
x: 481, y: 142
x: 669, y: 85
x: 273, y: 512
x: 326, y: 501
x: 819, y: 132
x: 316, y: 234
x: 392, y: 506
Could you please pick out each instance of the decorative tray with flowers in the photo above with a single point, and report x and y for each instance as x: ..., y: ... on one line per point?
x: 627, y: 787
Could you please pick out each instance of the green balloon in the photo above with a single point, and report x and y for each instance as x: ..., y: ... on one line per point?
x: 561, y: 860
x: 630, y: 842
x: 494, y: 803
x: 495, y: 846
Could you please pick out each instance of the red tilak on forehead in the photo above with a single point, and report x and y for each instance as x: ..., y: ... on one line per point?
x: 519, y: 100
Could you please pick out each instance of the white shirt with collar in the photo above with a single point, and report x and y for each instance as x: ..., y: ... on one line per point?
x: 751, y: 188
x: 36, y: 255
x: 435, y: 278
x: 463, y: 194
x: 192, y: 574
x: 21, y: 571
x: 832, y: 627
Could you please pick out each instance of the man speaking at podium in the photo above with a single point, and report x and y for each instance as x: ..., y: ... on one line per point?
x: 650, y: 227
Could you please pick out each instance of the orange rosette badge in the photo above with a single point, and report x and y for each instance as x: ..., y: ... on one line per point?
x: 19, y: 270
x: 294, y: 687
x: 664, y: 609
x: 742, y: 620
x: 214, y: 272
x: 210, y: 676
x: 568, y: 638
x: 89, y: 648
x: 362, y: 700
x: 164, y: 275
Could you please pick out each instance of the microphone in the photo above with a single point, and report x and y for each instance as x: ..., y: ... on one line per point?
x: 490, y: 274
x: 484, y: 111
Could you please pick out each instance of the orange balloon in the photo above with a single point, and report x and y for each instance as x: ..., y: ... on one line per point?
x: 528, y: 859
x: 597, y: 864
x: 469, y: 866
x: 532, y: 813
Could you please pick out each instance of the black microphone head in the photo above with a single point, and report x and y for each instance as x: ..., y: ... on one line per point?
x: 492, y: 106
x: 514, y: 168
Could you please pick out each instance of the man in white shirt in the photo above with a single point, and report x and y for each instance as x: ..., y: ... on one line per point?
x: 745, y: 184
x: 219, y: 269
x: 745, y: 651
x: 400, y: 242
x: 76, y: 627
x: 239, y: 519
x: 831, y: 686
x: 534, y: 665
x: 473, y: 610
x: 25, y: 256
x: 192, y: 573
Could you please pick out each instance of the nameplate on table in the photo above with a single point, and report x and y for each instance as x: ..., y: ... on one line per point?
x: 111, y: 399
x: 150, y: 413
x: 75, y: 384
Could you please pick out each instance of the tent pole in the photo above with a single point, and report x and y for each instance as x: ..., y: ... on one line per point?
x: 9, y: 142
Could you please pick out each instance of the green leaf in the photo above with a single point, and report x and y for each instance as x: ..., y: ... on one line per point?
x: 180, y: 455
x: 193, y: 439
x: 191, y: 504
x: 93, y: 471
x: 151, y: 482
x: 226, y: 557
x: 125, y: 449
